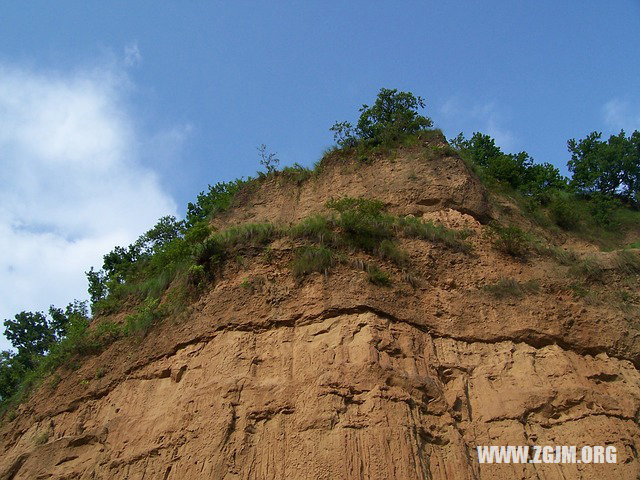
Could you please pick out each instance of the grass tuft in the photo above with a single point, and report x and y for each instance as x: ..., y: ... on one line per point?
x: 311, y: 258
x: 510, y: 287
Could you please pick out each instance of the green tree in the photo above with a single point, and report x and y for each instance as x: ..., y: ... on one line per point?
x: 393, y: 116
x: 11, y: 374
x: 517, y: 170
x: 480, y: 148
x: 97, y: 284
x: 217, y: 199
x: 167, y: 229
x: 61, y: 319
x: 608, y: 168
x: 31, y: 335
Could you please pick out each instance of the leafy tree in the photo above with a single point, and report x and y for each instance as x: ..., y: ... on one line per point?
x: 543, y: 177
x: 119, y: 262
x: 11, y: 374
x: 344, y: 134
x: 97, y: 284
x: 166, y: 230
x: 30, y: 334
x: 393, y: 116
x: 61, y: 319
x: 217, y: 199
x: 518, y: 170
x: 610, y: 169
x: 480, y: 148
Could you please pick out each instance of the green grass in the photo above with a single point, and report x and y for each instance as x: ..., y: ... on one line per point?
x: 388, y: 250
x: 312, y: 258
x: 509, y: 287
x: 627, y: 262
x: 429, y: 231
x: 249, y: 234
x: 296, y: 173
x: 560, y: 255
x: 316, y: 229
x: 589, y: 269
x: 138, y: 324
x: 378, y: 277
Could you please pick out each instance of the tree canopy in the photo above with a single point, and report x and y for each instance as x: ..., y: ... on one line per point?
x: 609, y: 168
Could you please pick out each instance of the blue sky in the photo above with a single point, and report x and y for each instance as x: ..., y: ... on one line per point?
x: 115, y: 113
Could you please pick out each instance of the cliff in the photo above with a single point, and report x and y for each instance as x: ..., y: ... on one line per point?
x: 267, y: 376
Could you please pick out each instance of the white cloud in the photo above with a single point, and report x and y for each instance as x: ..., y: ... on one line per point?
x: 619, y: 114
x: 486, y: 118
x: 71, y: 184
x: 132, y: 55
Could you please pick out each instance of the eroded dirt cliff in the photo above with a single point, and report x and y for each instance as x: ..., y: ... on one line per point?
x: 270, y: 377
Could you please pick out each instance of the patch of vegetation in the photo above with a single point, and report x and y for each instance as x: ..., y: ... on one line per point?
x: 216, y: 200
x: 563, y: 212
x: 454, y: 239
x: 247, y: 235
x: 41, y: 438
x: 509, y: 287
x: 359, y: 224
x: 393, y: 117
x: 313, y: 258
x: 516, y: 171
x: 388, y: 250
x: 378, y: 277
x: 510, y: 240
x: 627, y: 262
x: 589, y: 269
x: 599, y: 202
x: 296, y: 173
x: 138, y: 323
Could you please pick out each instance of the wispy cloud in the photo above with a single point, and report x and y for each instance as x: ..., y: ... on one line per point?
x: 72, y: 184
x: 485, y: 117
x: 619, y: 114
x: 132, y: 55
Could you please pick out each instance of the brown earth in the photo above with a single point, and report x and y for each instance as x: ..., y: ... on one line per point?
x: 267, y: 377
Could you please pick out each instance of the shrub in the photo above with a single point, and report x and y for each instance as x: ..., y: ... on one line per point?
x: 296, y: 173
x: 268, y: 160
x: 378, y: 277
x: 41, y: 438
x: 217, y: 199
x: 196, y: 275
x: 197, y: 233
x: 362, y: 221
x: 510, y: 240
x: 208, y: 252
x: 563, y: 212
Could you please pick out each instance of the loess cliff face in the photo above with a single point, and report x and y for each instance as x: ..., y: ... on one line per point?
x: 267, y: 377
